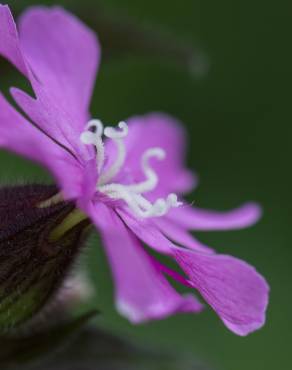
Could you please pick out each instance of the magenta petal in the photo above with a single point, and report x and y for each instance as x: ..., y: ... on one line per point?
x: 194, y: 218
x: 88, y: 185
x: 9, y: 42
x: 148, y: 232
x: 58, y: 112
x: 64, y: 54
x: 142, y: 292
x: 179, y: 235
x: 158, y: 130
x: 233, y: 288
x: 47, y: 115
x: 19, y: 136
x: 158, y: 235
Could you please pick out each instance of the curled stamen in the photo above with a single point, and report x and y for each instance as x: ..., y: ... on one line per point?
x: 159, y: 208
x: 130, y: 194
x: 137, y: 203
x: 172, y: 201
x: 115, y: 134
x: 143, y: 202
x: 118, y: 191
x: 149, y: 209
x: 92, y: 136
x: 117, y: 137
x: 95, y: 126
x: 151, y: 177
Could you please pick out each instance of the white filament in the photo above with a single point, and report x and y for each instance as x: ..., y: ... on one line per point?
x: 130, y: 194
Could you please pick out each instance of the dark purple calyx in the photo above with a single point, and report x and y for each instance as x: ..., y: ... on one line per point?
x: 32, y: 264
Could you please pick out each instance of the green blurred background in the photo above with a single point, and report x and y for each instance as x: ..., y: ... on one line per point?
x: 235, y: 103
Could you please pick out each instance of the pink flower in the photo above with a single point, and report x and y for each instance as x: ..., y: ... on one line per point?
x: 125, y: 180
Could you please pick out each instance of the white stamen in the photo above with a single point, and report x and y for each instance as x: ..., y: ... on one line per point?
x: 94, y: 138
x: 136, y: 202
x: 96, y: 125
x: 148, y: 209
x: 172, y: 201
x: 117, y: 137
x: 130, y: 194
x: 113, y: 133
x: 151, y: 177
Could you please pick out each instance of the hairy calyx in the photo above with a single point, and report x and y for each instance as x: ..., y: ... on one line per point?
x: 133, y: 194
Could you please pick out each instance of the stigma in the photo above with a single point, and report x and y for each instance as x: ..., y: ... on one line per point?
x: 133, y: 194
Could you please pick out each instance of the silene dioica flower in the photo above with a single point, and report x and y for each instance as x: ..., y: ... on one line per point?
x: 128, y: 181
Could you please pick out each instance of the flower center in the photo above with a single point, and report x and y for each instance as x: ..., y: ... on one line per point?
x: 131, y: 194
